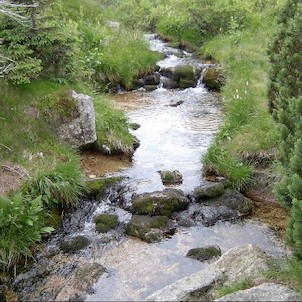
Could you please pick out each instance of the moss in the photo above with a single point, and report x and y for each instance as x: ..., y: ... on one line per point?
x: 59, y: 105
x: 74, y: 244
x: 146, y: 228
x: 105, y: 222
x: 185, y: 73
x: 204, y: 253
x: 96, y: 187
x: 159, y: 203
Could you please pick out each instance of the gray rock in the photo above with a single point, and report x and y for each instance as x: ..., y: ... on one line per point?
x: 79, y: 132
x: 242, y: 262
x: 208, y: 190
x: 176, y: 103
x: 198, y: 282
x: 263, y: 292
x: 204, y: 253
x: 169, y: 83
x: 233, y: 200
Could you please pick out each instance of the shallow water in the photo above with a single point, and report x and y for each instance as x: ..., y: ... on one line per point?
x: 137, y: 269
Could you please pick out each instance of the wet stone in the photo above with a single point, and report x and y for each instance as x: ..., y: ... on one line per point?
x: 74, y: 244
x: 208, y: 190
x: 171, y: 177
x: 105, y: 222
x: 147, y: 228
x: 204, y: 253
x: 164, y: 203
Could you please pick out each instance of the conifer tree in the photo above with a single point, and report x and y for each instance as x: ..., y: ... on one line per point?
x: 285, y: 104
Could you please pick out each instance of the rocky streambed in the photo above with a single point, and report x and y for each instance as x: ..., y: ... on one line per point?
x: 158, y: 221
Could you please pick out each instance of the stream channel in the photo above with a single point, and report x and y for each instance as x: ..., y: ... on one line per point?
x: 171, y: 138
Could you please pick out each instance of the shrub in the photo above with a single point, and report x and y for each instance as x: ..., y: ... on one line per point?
x: 21, y: 225
x: 285, y: 104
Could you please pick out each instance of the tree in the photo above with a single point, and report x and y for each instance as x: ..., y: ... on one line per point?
x: 285, y: 104
x: 17, y: 11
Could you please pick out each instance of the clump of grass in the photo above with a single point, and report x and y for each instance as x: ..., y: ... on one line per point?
x: 234, y: 287
x: 112, y: 126
x: 219, y: 162
x: 287, y: 271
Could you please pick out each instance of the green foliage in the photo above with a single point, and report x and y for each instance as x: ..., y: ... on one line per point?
x: 234, y: 287
x: 287, y: 271
x: 218, y: 161
x: 47, y: 48
x: 61, y: 187
x: 21, y: 225
x: 285, y: 104
x: 112, y: 127
x: 248, y: 128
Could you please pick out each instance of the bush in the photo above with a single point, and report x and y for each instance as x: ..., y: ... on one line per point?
x: 285, y: 104
x: 21, y: 225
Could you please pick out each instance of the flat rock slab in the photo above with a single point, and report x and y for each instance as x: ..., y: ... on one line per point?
x: 242, y: 262
x: 263, y: 292
x: 198, y: 282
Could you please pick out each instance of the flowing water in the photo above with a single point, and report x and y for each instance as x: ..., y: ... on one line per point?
x: 172, y: 138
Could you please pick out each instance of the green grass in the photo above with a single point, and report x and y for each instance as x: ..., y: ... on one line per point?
x: 287, y: 271
x: 248, y: 128
x: 240, y: 285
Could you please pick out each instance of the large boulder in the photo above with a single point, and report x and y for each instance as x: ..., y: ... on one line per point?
x: 263, y: 292
x: 163, y: 203
x: 199, y: 283
x: 78, y: 129
x: 242, y: 262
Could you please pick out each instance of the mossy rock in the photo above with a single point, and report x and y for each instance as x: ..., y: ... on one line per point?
x: 171, y: 177
x: 89, y: 273
x: 74, y: 244
x: 105, y: 222
x: 208, y: 190
x: 147, y: 228
x: 185, y: 72
x: 213, y: 78
x: 163, y: 203
x: 96, y: 187
x: 150, y: 87
x: 204, y: 253
x: 185, y: 83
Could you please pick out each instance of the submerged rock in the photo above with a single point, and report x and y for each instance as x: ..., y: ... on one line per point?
x: 74, y: 244
x: 163, y: 203
x: 263, y: 292
x: 147, y: 228
x: 105, y: 222
x: 204, y: 253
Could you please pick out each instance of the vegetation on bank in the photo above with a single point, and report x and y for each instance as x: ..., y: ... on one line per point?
x: 44, y: 52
